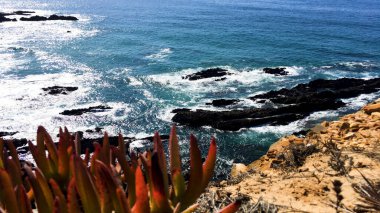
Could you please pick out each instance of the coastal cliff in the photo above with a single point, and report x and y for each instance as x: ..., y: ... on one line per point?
x: 326, y: 171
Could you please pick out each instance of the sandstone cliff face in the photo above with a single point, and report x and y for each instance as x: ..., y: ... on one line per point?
x: 315, y: 173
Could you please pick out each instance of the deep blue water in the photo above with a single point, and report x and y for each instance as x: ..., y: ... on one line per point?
x: 131, y: 55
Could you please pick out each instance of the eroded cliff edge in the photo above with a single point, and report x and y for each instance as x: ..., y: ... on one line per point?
x: 323, y: 172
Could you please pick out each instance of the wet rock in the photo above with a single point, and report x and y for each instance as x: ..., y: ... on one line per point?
x: 322, y: 89
x: 236, y: 119
x: 292, y: 104
x: 180, y: 110
x: 209, y: 73
x: 276, y: 71
x: 2, y: 134
x: 4, y: 19
x: 65, y: 18
x: 51, y: 18
x: 223, y: 102
x: 59, y: 90
x: 94, y: 109
x: 221, y: 79
x: 34, y: 18
x: 23, y: 12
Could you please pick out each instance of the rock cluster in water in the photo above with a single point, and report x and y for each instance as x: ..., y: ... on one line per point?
x: 73, y: 112
x: 59, y: 90
x: 208, y: 73
x: 53, y: 17
x: 290, y: 105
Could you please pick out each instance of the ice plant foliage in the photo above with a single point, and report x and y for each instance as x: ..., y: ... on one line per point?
x: 108, y: 181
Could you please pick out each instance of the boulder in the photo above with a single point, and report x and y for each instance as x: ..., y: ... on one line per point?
x: 66, y: 18
x: 208, y: 73
x: 94, y: 109
x: 34, y: 18
x: 238, y: 169
x: 59, y: 90
x: 276, y: 71
x: 289, y: 105
x: 372, y: 108
x: 223, y: 102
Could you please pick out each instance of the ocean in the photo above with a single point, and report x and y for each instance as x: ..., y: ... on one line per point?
x: 131, y: 56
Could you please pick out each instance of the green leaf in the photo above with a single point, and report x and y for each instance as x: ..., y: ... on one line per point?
x: 42, y: 194
x: 209, y: 164
x: 7, y: 195
x: 175, y: 167
x: 158, y: 196
x: 194, y: 189
x: 158, y: 148
x: 84, y: 185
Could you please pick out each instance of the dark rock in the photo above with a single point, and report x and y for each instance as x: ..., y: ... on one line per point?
x: 94, y: 109
x: 221, y: 79
x: 223, y: 102
x: 236, y: 119
x: 34, y: 18
x: 292, y: 104
x: 209, y: 73
x: 23, y: 13
x: 276, y: 71
x: 51, y: 18
x: 181, y: 110
x: 321, y: 89
x: 301, y: 133
x: 4, y: 19
x: 66, y: 18
x: 2, y: 134
x: 57, y: 90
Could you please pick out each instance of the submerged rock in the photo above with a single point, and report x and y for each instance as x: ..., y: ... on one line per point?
x: 208, y: 73
x: 52, y: 18
x: 57, y: 90
x: 4, y: 19
x: 276, y: 71
x: 34, y: 18
x: 223, y: 102
x: 66, y: 18
x: 292, y: 104
x: 2, y: 134
x: 94, y: 109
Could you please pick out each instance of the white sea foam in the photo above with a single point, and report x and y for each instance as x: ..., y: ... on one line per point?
x: 163, y: 53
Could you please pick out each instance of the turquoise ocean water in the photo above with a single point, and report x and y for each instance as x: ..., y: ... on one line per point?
x: 131, y: 55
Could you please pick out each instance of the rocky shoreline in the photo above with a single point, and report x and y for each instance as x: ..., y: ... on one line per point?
x: 281, y: 106
x: 27, y: 17
x: 326, y: 171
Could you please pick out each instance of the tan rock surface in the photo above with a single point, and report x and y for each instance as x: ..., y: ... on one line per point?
x: 309, y: 188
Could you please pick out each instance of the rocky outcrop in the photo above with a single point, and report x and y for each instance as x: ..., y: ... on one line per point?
x: 94, y: 109
x: 299, y: 174
x: 51, y: 18
x: 290, y: 105
x: 208, y: 73
x: 59, y: 90
x: 4, y: 19
x: 276, y: 71
x: 322, y: 89
x: 223, y: 102
x: 65, y: 18
x: 2, y: 134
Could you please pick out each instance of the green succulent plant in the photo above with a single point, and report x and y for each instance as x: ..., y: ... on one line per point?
x: 108, y: 181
